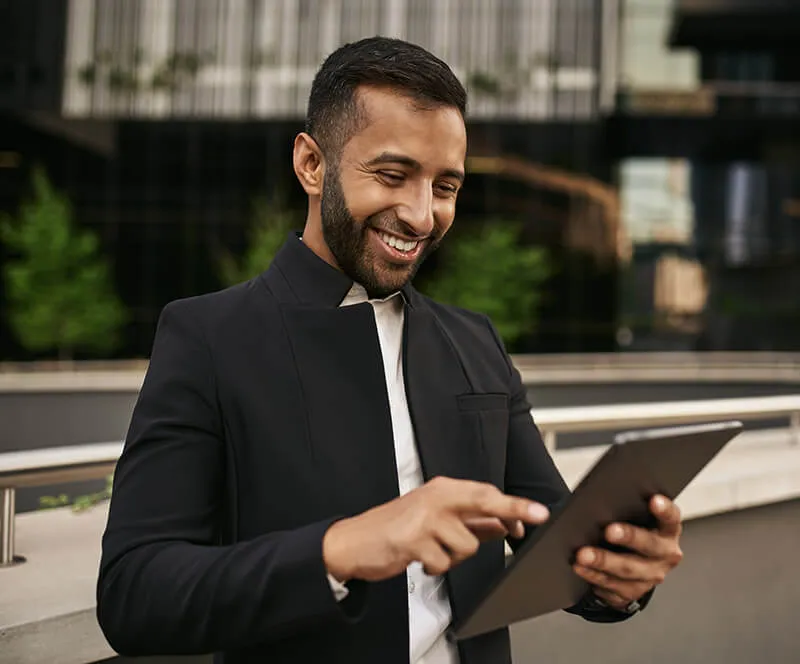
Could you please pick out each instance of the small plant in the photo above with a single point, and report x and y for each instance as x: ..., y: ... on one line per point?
x: 135, y: 75
x: 59, y: 287
x: 487, y: 270
x: 271, y: 222
x: 81, y: 503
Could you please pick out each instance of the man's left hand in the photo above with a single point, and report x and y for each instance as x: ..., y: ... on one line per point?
x: 621, y: 578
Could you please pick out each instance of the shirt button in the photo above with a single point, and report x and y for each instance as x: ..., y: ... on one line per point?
x: 412, y: 587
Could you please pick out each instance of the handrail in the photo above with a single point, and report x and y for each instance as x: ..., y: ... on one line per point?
x: 29, y: 468
x: 552, y: 421
x: 670, y: 366
x: 94, y: 461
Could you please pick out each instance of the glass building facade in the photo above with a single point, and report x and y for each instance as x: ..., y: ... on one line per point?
x: 661, y: 177
x: 707, y: 131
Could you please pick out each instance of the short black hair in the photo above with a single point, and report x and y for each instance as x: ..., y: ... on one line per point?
x: 334, y: 114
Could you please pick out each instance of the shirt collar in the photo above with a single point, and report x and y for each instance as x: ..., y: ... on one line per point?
x: 358, y: 294
x: 315, y: 282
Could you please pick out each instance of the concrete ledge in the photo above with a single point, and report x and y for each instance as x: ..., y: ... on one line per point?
x: 123, y: 380
x: 47, y: 604
x: 743, y: 367
x: 72, y: 638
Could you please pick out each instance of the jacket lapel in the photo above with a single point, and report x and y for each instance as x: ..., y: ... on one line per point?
x: 337, y: 355
x: 434, y: 377
x: 338, y: 358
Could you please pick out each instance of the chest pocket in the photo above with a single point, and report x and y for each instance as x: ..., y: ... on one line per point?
x: 484, y: 421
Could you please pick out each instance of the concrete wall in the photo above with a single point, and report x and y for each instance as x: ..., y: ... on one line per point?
x: 35, y: 420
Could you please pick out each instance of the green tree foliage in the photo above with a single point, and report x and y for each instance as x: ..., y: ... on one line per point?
x: 270, y: 224
x: 487, y: 270
x: 58, y: 286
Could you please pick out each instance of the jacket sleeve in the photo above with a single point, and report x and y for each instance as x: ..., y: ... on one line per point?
x: 167, y: 585
x: 532, y: 473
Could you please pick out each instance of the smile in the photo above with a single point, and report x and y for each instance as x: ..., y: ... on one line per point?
x: 399, y: 245
x: 395, y: 250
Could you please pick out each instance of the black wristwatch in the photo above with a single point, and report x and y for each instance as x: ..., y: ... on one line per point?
x: 594, y: 602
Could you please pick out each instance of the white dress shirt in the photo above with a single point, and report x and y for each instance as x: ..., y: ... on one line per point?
x: 429, y: 612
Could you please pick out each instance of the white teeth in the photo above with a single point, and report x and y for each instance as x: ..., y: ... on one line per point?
x: 398, y: 244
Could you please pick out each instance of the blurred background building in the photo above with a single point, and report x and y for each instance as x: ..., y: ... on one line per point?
x: 652, y: 146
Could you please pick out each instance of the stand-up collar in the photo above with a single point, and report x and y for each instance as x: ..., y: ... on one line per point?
x: 312, y: 280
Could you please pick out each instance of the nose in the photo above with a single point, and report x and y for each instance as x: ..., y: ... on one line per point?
x: 416, y: 210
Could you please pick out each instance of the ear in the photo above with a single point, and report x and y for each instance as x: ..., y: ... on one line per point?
x: 309, y: 164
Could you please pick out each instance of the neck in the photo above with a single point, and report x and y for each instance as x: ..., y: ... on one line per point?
x: 313, y: 237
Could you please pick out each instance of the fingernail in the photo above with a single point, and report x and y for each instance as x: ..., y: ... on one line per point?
x: 587, y: 557
x: 615, y: 533
x: 538, y: 512
x: 660, y: 503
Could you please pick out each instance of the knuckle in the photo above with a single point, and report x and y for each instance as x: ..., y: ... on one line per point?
x: 458, y: 558
x: 677, y: 555
x: 600, y: 557
x: 438, y: 567
x: 478, y: 497
x: 420, y: 522
x: 438, y: 483
x: 471, y: 547
x: 485, y: 491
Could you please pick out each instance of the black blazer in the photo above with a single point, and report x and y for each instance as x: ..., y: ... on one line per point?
x: 263, y: 418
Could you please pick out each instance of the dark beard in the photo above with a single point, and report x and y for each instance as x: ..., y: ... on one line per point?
x: 347, y: 240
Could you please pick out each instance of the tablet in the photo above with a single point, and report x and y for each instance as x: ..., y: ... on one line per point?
x: 539, y: 578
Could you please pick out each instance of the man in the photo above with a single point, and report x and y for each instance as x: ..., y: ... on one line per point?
x: 317, y: 454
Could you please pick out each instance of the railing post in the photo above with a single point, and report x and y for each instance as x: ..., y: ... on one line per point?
x: 794, y: 428
x: 7, y: 514
x: 550, y: 440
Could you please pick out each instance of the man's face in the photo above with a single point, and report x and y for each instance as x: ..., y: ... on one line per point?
x: 391, y: 197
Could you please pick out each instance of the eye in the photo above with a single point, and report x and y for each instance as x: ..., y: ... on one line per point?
x: 392, y: 177
x: 446, y: 189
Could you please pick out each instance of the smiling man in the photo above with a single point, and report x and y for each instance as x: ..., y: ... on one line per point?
x: 323, y: 464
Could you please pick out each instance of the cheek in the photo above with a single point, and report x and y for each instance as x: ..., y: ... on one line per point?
x: 365, y: 199
x: 444, y: 213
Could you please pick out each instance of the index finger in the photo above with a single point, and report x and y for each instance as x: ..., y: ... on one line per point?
x: 668, y: 515
x: 490, y: 501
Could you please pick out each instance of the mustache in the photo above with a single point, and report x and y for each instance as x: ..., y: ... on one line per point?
x: 390, y: 223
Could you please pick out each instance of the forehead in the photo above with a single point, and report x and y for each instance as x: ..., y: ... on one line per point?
x: 436, y: 137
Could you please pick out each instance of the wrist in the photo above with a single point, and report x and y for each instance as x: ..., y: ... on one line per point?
x: 598, y: 602
x: 335, y: 552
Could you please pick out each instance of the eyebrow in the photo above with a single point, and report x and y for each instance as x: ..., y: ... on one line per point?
x: 394, y: 158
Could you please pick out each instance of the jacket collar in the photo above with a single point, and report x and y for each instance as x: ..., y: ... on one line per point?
x: 313, y: 281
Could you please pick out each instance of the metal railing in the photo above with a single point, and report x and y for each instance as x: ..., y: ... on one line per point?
x: 33, y: 468
x: 95, y: 461
x: 552, y: 421
x: 679, y: 366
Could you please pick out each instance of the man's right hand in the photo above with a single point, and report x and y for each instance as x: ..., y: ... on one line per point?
x: 440, y: 524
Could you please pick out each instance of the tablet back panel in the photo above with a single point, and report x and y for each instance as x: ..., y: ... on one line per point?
x: 638, y: 465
